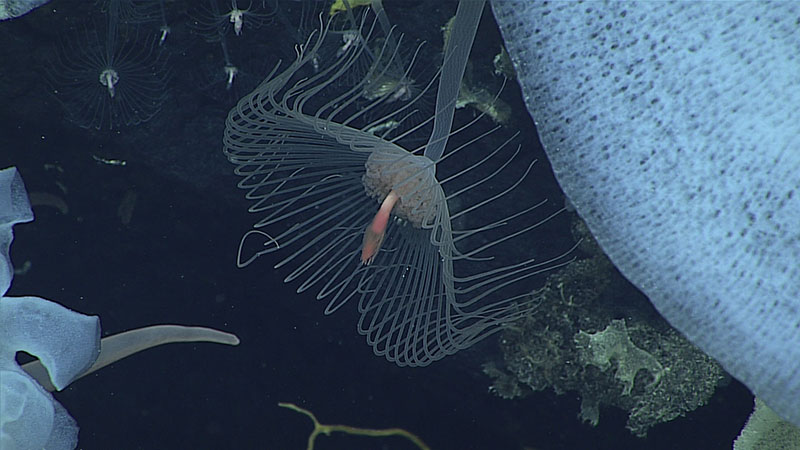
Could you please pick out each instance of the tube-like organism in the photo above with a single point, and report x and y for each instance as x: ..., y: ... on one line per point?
x: 425, y: 287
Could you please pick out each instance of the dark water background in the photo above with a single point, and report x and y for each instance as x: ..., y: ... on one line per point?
x: 174, y: 262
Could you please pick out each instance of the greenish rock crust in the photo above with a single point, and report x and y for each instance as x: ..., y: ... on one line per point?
x: 595, y: 335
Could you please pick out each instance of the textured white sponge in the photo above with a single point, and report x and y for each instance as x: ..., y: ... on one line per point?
x: 674, y: 129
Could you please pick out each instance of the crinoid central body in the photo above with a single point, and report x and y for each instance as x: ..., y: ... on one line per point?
x: 304, y: 142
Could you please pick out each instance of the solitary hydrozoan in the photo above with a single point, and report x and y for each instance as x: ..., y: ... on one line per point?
x: 112, y: 79
x: 363, y: 213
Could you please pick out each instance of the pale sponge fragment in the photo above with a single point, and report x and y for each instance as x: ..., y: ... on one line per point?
x: 65, y: 342
x: 10, y: 9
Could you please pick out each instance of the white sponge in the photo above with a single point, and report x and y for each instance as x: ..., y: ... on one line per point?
x: 66, y: 342
x: 674, y: 129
